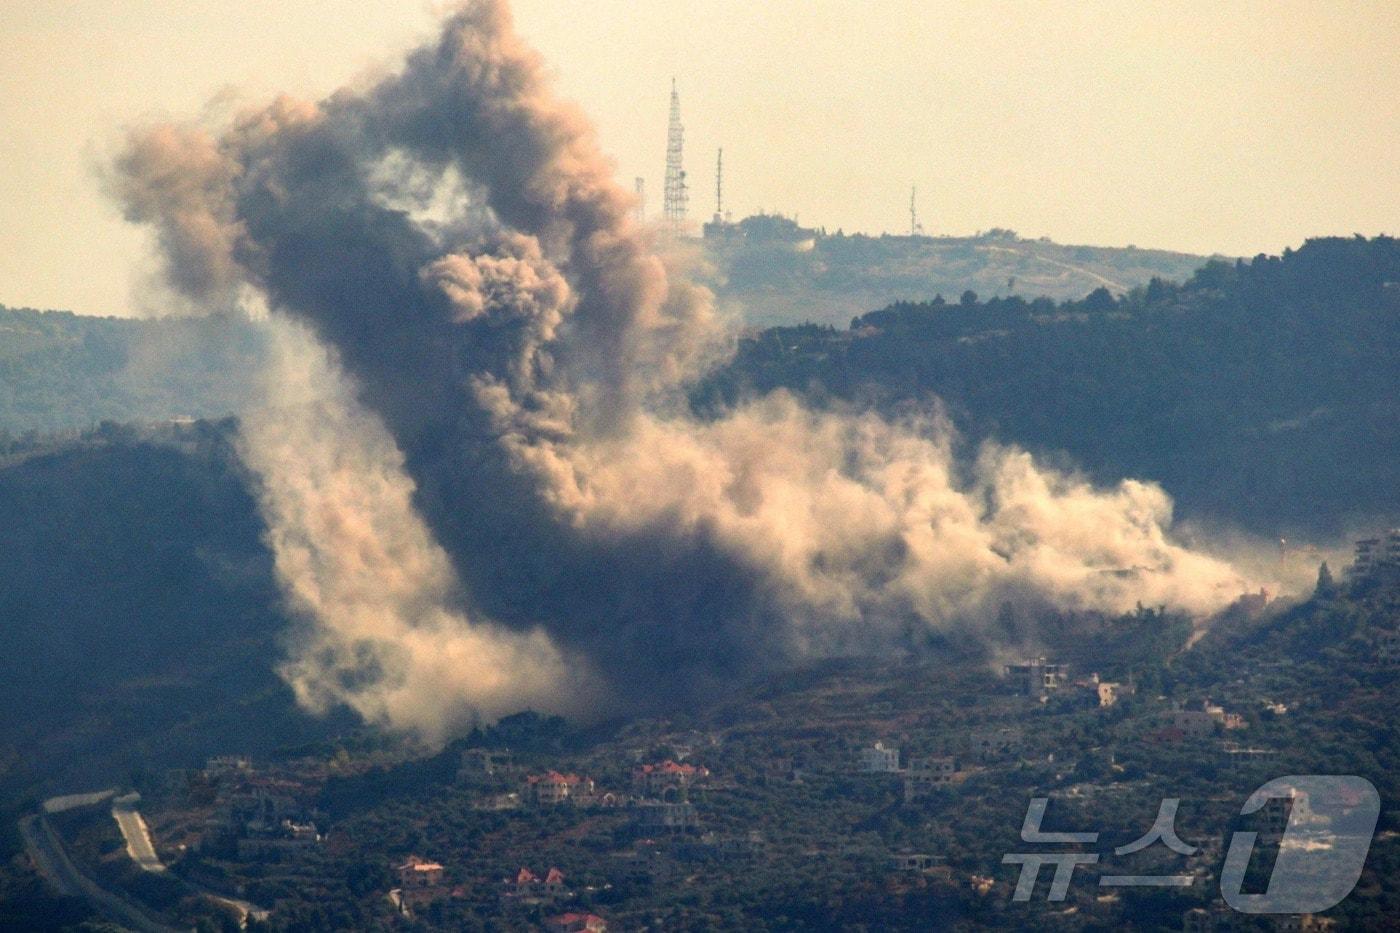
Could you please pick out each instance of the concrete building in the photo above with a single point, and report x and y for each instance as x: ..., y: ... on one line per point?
x: 484, y: 764
x: 991, y: 744
x: 1377, y: 555
x: 926, y: 775
x: 914, y: 861
x: 1037, y: 676
x: 274, y: 842
x: 667, y: 778
x: 877, y: 759
x: 655, y: 818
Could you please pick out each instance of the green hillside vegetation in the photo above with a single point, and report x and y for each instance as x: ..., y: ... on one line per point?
x: 138, y: 610
x: 1264, y: 393
x: 65, y: 372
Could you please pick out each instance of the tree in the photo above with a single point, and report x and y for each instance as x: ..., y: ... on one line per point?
x: 969, y: 298
x: 1326, y: 587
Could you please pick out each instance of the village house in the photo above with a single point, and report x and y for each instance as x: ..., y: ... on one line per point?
x: 1037, y: 677
x: 479, y: 765
x: 552, y: 788
x: 667, y: 779
x: 1185, y: 722
x: 287, y: 838
x: 928, y: 774
x: 1240, y: 761
x: 914, y: 861
x: 576, y: 923
x: 989, y: 744
x: 1225, y: 719
x: 528, y: 888
x: 421, y: 882
x: 877, y: 759
x: 660, y: 817
x: 415, y: 872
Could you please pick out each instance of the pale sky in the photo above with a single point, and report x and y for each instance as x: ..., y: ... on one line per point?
x: 1203, y: 126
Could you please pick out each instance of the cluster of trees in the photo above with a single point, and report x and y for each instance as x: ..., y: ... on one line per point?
x: 1263, y: 393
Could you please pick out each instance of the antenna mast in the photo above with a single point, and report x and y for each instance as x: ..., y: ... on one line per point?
x: 719, y: 186
x: 915, y: 228
x: 676, y: 194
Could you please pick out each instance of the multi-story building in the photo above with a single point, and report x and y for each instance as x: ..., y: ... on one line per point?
x: 1037, y: 676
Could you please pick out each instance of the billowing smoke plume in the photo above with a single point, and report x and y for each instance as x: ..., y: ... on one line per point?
x: 516, y: 352
x: 350, y: 549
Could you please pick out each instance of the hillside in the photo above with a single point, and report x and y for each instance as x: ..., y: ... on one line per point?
x: 62, y: 372
x: 138, y: 609
x: 777, y: 273
x: 788, y: 828
x: 1262, y: 393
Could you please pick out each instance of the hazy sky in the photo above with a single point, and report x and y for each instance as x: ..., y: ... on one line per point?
x: 1202, y: 126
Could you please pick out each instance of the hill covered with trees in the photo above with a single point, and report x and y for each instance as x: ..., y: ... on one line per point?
x: 1265, y: 393
x: 66, y: 372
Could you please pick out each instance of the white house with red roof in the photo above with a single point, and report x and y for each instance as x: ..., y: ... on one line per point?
x: 553, y: 788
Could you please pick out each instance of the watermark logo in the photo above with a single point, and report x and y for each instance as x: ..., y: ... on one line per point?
x: 1322, y: 846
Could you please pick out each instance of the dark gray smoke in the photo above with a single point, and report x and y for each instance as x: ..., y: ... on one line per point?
x: 501, y: 413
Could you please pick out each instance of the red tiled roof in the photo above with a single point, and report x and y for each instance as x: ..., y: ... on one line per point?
x: 555, y: 876
x: 414, y: 863
x: 526, y: 876
x: 554, y: 777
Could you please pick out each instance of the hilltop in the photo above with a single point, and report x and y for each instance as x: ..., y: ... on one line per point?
x: 779, y: 273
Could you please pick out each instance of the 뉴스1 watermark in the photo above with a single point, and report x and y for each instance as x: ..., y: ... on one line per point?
x: 1320, y: 854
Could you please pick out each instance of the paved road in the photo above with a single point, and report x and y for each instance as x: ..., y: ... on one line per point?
x: 46, y: 849
x: 72, y: 801
x: 137, y: 836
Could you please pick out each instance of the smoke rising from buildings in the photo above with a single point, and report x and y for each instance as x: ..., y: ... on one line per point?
x: 496, y: 485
